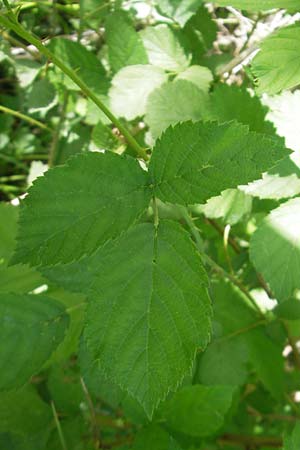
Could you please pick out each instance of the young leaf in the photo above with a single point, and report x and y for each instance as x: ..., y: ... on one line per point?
x: 75, y: 208
x: 193, y: 162
x: 31, y: 328
x: 277, y: 65
x: 164, y: 49
x: 125, y: 46
x: 131, y: 87
x: 275, y: 249
x: 174, y: 102
x: 198, y: 410
x: 148, y: 311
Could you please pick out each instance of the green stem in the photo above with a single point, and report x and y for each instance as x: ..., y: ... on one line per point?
x: 58, y: 426
x: 24, y: 34
x: 28, y: 119
x: 11, y: 178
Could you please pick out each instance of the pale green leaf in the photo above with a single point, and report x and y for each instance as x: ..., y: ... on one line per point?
x: 148, y: 311
x: 231, y: 206
x: 75, y: 208
x: 199, y: 410
x: 277, y: 65
x: 275, y: 249
x: 125, y: 46
x: 193, y: 162
x: 292, y: 440
x: 284, y: 110
x: 174, y: 102
x: 86, y: 65
x: 199, y: 75
x: 31, y: 328
x: 164, y: 49
x: 261, y: 5
x: 131, y: 87
x: 178, y: 10
x: 27, y: 70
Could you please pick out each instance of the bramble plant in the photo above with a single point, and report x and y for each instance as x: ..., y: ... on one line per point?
x: 150, y: 275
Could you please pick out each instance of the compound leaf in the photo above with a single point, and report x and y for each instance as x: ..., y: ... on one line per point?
x: 31, y: 328
x: 148, y: 311
x: 193, y: 162
x: 75, y: 208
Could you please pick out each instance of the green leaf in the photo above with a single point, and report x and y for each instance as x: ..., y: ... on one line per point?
x: 104, y: 138
x: 41, y: 96
x: 164, y: 49
x: 154, y: 437
x: 25, y: 416
x: 199, y: 75
x: 31, y: 328
x: 198, y: 410
x: 288, y: 310
x: 66, y: 213
x: 178, y: 10
x: 8, y: 229
x: 174, y: 102
x: 282, y: 181
x: 258, y: 5
x: 292, y: 440
x: 19, y: 279
x: 277, y: 65
x: 193, y: 162
x: 224, y: 362
x: 131, y: 87
x: 235, y: 103
x: 86, y: 65
x: 231, y: 206
x: 148, y: 311
x: 125, y: 46
x: 200, y: 32
x: 275, y: 249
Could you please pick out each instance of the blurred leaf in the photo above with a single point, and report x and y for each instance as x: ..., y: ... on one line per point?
x: 125, y: 46
x: 164, y: 49
x: 31, y: 328
x: 178, y: 10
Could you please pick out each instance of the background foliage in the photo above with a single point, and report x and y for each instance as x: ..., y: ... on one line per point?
x: 150, y: 279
